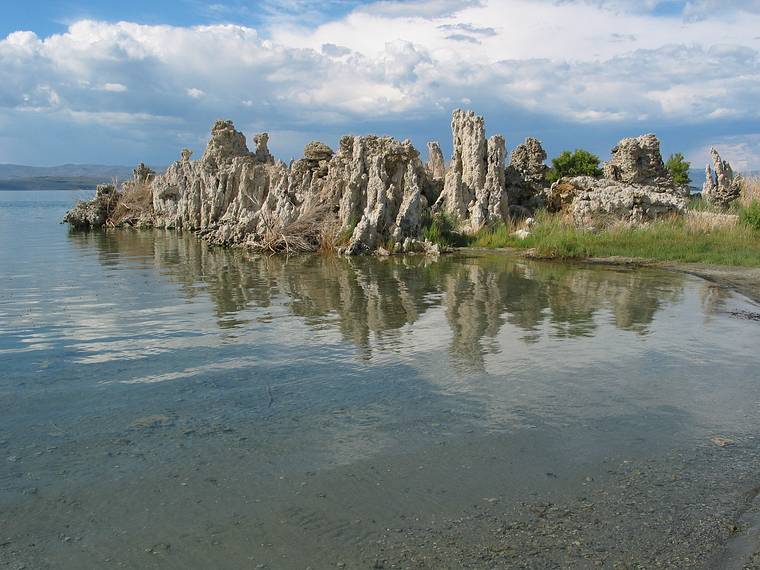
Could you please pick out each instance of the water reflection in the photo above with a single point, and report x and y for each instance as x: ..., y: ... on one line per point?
x: 371, y: 300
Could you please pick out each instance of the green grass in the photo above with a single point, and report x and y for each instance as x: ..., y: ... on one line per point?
x: 749, y: 215
x: 440, y: 229
x: 702, y: 205
x: 665, y: 240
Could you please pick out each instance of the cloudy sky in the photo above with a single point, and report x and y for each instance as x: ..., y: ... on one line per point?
x: 116, y: 83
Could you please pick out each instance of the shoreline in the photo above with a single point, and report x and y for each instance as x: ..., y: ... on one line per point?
x: 744, y: 280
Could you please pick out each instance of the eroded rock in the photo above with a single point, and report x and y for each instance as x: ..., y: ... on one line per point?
x: 435, y: 164
x: 473, y: 190
x: 725, y: 186
x: 93, y: 213
x: 375, y: 193
x: 638, y: 160
x: 526, y: 177
x: 593, y: 200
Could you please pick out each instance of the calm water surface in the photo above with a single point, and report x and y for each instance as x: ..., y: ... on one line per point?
x: 165, y: 404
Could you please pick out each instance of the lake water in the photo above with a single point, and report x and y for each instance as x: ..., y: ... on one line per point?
x: 164, y: 404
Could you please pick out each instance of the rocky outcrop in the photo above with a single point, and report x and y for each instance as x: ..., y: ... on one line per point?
x: 526, y: 178
x: 638, y: 161
x: 473, y: 190
x: 435, y: 165
x: 591, y: 201
x: 636, y: 188
x: 725, y: 186
x: 142, y: 174
x: 374, y: 193
x: 93, y: 213
x: 371, y: 189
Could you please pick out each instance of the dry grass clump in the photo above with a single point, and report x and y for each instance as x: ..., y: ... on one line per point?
x: 134, y: 205
x: 750, y: 190
x: 304, y: 235
x: 333, y: 235
x: 702, y: 221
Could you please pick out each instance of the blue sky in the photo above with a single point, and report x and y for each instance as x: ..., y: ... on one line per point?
x: 119, y: 83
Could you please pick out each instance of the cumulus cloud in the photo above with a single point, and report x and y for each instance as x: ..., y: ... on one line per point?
x: 742, y: 151
x: 114, y: 87
x: 394, y: 61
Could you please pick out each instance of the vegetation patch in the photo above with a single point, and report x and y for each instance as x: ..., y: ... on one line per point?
x: 750, y: 215
x: 679, y: 169
x: 576, y: 163
x: 672, y: 239
x: 441, y: 229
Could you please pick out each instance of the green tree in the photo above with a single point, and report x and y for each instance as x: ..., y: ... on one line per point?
x: 679, y: 169
x: 577, y: 163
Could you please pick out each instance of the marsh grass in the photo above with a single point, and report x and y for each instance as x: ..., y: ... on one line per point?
x: 441, y: 229
x: 671, y: 239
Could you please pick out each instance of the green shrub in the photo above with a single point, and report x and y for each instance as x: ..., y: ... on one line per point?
x: 750, y: 215
x: 441, y: 229
x: 577, y: 163
x: 679, y: 169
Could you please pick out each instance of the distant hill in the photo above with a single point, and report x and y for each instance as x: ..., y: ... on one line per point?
x: 52, y: 183
x: 63, y: 177
x: 14, y: 171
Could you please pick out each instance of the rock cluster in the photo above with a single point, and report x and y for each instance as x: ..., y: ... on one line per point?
x: 473, y: 190
x: 591, y: 201
x: 635, y: 188
x: 372, y: 188
x: 725, y: 186
x: 638, y: 161
x: 374, y: 193
x: 93, y: 213
x: 526, y: 178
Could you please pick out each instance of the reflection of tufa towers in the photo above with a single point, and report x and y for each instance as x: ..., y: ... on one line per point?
x: 371, y: 301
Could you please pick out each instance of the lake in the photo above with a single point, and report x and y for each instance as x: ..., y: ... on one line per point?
x: 166, y: 404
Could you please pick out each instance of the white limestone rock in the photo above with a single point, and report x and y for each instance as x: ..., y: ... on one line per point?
x: 591, y: 200
x: 473, y: 190
x: 526, y: 176
x: 725, y: 186
x: 638, y: 160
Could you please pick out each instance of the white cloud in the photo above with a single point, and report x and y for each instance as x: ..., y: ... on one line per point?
x: 742, y: 151
x: 393, y: 60
x: 114, y: 87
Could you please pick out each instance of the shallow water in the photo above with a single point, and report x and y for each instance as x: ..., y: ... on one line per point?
x: 166, y: 404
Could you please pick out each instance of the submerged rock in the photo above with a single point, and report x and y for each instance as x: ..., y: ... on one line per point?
x: 725, y: 186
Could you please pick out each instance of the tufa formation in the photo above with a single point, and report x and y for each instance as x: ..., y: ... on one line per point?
x: 375, y: 195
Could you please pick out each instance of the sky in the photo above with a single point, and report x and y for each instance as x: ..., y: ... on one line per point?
x: 119, y: 83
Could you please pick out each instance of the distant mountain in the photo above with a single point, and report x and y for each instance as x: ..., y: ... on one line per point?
x: 63, y: 177
x: 99, y: 171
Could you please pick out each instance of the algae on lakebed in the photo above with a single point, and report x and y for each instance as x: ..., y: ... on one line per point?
x: 168, y: 404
